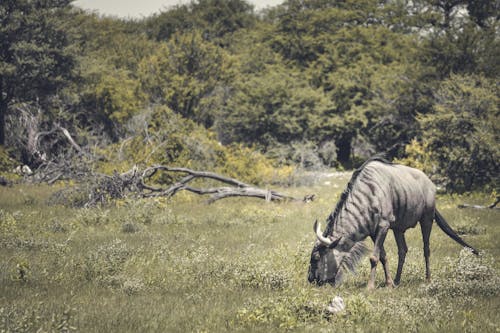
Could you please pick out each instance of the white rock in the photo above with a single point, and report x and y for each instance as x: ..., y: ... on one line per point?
x: 336, y: 305
x: 26, y: 170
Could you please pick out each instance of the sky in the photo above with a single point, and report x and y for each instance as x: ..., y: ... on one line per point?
x: 143, y: 8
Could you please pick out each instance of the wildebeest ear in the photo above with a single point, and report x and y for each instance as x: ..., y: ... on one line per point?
x: 335, y: 242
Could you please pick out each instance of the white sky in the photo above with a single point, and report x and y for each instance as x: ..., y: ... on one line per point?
x: 143, y: 8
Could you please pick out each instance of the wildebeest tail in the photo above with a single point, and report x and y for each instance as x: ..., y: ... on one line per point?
x: 441, y: 222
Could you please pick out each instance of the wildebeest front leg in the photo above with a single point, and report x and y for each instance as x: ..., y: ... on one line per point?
x: 402, y: 249
x: 381, y: 232
x: 385, y: 264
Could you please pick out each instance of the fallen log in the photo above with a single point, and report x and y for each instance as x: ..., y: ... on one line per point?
x: 237, y: 189
x: 492, y: 206
x: 103, y: 188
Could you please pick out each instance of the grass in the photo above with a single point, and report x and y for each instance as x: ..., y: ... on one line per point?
x: 238, y: 265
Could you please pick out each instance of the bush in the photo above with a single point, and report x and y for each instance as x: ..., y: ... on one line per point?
x: 7, y: 164
x: 104, y: 263
x: 467, y: 275
x: 169, y: 139
x: 460, y: 138
x: 286, y: 311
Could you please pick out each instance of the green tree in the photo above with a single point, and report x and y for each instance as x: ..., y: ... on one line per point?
x: 108, y: 92
x: 35, y: 57
x: 275, y: 106
x: 215, y: 18
x: 306, y: 28
x: 362, y: 54
x: 484, y: 12
x: 462, y: 135
x: 120, y: 43
x: 109, y: 96
x: 460, y: 36
x: 184, y: 72
x: 373, y: 77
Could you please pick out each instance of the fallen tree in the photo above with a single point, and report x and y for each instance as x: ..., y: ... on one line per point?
x: 492, y: 206
x: 141, y: 183
x: 237, y: 188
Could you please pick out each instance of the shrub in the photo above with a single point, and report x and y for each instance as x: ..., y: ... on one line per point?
x: 461, y: 136
x: 130, y: 227
x: 467, y: 275
x: 104, y: 263
x: 92, y: 216
x: 285, y: 311
x: 176, y: 141
x: 7, y: 164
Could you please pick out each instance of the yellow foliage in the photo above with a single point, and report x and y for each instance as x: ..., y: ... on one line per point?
x: 6, y: 162
x: 245, y: 163
x: 418, y: 156
x: 176, y: 141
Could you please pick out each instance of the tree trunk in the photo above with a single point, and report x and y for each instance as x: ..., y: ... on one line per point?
x: 3, y: 112
x: 344, y: 151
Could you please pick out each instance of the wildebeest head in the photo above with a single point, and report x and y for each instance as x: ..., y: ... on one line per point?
x: 331, y: 256
x: 326, y: 259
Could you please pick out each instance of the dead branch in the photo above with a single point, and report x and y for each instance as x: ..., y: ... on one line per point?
x: 141, y: 183
x: 492, y: 206
x: 237, y: 189
x: 70, y: 138
x: 101, y: 188
x: 149, y: 172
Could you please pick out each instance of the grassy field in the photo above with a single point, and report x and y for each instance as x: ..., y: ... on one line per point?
x: 238, y: 265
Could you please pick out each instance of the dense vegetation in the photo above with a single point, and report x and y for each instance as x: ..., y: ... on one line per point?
x: 308, y: 83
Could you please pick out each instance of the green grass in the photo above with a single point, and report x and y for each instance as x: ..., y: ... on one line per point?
x: 237, y: 265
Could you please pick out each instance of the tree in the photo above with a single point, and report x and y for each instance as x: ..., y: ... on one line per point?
x: 109, y: 96
x: 361, y: 54
x: 307, y: 27
x: 184, y: 72
x: 107, y: 93
x: 35, y: 58
x: 460, y: 36
x: 275, y: 106
x: 215, y: 18
x: 462, y: 134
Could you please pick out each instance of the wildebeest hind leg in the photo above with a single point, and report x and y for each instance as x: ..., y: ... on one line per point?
x: 426, y: 227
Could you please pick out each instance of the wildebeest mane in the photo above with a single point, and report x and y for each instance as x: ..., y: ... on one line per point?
x: 330, y: 222
x: 351, y: 259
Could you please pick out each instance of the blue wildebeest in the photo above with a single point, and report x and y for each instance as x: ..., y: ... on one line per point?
x: 380, y: 196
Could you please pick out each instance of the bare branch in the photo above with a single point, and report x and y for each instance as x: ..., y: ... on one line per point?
x: 70, y: 138
x: 197, y: 174
x: 134, y: 181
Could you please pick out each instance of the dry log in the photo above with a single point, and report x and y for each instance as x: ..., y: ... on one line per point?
x: 140, y: 183
x: 149, y: 172
x: 226, y: 192
x: 492, y: 206
x: 237, y: 189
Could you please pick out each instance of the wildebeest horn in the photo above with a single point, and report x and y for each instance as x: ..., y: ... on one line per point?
x: 323, y: 240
